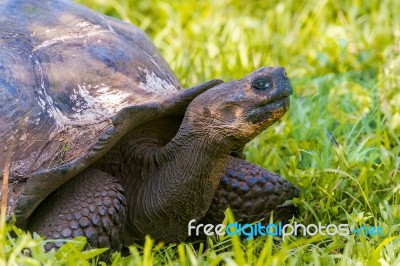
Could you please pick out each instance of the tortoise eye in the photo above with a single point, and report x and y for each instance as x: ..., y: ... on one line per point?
x: 261, y: 84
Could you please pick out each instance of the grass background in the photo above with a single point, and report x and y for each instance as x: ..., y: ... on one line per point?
x: 340, y: 141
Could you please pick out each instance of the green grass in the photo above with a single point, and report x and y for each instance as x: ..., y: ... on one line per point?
x: 340, y: 142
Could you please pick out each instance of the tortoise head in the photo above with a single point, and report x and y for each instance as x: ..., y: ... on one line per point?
x: 239, y: 110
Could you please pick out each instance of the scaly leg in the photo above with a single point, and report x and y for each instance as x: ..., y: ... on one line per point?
x: 92, y: 204
x: 252, y: 193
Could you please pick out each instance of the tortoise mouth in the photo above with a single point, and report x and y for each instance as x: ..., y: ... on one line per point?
x: 270, y: 111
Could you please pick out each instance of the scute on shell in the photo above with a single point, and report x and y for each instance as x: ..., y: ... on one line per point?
x: 72, y: 82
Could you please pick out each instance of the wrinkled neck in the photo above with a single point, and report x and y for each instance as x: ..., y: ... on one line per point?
x: 190, y: 167
x: 180, y: 184
x: 196, y: 143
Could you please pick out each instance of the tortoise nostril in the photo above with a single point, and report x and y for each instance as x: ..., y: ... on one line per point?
x: 282, y: 71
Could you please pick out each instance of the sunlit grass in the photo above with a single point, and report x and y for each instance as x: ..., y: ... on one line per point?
x: 340, y: 142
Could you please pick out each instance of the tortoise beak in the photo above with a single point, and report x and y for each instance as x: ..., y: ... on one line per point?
x: 270, y: 111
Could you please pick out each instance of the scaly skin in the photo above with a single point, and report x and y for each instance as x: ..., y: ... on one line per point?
x: 92, y: 205
x: 97, y: 209
x: 252, y: 193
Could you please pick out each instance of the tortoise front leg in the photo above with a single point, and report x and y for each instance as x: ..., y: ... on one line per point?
x: 92, y: 204
x: 252, y: 193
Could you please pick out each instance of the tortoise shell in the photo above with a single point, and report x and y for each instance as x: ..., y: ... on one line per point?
x: 72, y: 83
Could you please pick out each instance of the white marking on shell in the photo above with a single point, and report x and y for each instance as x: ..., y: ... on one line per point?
x: 46, y: 102
x: 84, y: 29
x: 105, y: 104
x: 88, y: 108
x: 83, y: 24
x: 23, y: 137
x: 156, y: 85
x: 161, y: 69
x: 151, y: 59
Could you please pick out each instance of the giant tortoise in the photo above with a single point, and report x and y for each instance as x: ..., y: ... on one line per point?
x: 102, y: 141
